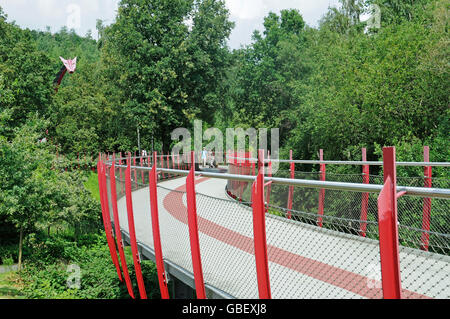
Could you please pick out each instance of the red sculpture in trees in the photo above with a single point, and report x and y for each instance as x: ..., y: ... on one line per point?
x: 68, y: 65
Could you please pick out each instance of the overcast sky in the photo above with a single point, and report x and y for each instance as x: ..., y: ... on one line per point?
x: 81, y: 15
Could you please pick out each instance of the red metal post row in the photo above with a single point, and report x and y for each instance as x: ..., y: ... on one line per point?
x: 426, y: 202
x: 142, y: 172
x: 291, y: 188
x: 322, y: 191
x: 131, y: 229
x: 162, y: 165
x: 134, y: 170
x: 162, y: 278
x: 122, y: 190
x: 269, y: 173
x: 240, y: 172
x: 193, y: 231
x: 106, y: 217
x: 259, y: 231
x: 365, y: 196
x: 388, y: 228
x: 168, y: 166
x: 118, y: 230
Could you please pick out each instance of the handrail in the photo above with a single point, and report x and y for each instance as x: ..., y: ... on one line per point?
x: 355, y: 187
x: 388, y: 223
x: 314, y: 162
x: 371, y: 163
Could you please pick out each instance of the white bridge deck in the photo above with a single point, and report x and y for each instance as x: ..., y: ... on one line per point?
x: 304, y: 261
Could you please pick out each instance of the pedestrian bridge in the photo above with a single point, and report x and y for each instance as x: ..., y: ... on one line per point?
x: 331, y: 239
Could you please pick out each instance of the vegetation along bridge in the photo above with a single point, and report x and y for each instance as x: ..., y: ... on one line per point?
x: 240, y: 231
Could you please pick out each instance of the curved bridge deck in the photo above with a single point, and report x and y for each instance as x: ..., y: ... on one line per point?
x: 304, y: 261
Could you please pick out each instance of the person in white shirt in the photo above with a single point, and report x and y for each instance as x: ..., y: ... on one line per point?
x: 204, y: 156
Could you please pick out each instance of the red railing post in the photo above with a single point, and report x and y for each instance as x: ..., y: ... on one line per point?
x: 132, y: 232
x: 142, y: 172
x: 134, y: 170
x: 162, y: 165
x: 259, y: 232
x: 388, y: 228
x: 193, y: 231
x: 122, y: 187
x: 241, y: 172
x: 322, y: 191
x: 168, y: 165
x: 173, y: 160
x: 291, y: 188
x: 162, y: 278
x: 253, y: 168
x: 118, y: 231
x: 365, y: 196
x: 106, y: 218
x: 426, y: 202
x: 269, y: 173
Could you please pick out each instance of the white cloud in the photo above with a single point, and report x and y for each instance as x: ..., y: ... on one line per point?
x: 247, y: 14
x: 246, y: 10
x: 258, y: 9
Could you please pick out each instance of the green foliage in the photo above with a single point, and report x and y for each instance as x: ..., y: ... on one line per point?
x: 168, y: 71
x: 33, y: 195
x: 398, y: 11
x: 75, y: 110
x: 356, y: 90
x: 46, y: 277
x: 161, y: 65
x: 264, y: 72
x: 25, y: 78
x: 92, y: 185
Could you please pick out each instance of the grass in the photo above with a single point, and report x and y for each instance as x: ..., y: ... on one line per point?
x: 92, y: 185
x: 10, y: 287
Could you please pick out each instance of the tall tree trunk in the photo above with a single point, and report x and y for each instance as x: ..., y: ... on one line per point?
x: 20, y: 247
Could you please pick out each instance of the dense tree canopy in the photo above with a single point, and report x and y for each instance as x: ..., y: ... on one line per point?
x: 341, y: 87
x: 164, y: 63
x: 171, y: 56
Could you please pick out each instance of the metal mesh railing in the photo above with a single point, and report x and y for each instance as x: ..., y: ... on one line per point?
x: 311, y: 262
x: 338, y: 243
x: 354, y: 215
x: 349, y: 207
x: 175, y: 231
x: 226, y: 245
x: 333, y: 253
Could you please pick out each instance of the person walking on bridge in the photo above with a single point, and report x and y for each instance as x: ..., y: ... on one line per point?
x: 204, y: 156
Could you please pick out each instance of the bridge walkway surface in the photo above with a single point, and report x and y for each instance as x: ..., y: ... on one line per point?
x: 305, y: 261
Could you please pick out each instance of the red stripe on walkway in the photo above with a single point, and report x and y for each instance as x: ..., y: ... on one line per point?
x: 332, y: 275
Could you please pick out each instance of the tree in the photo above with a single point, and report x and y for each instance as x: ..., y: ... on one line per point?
x: 346, y: 18
x: 169, y: 71
x: 34, y: 192
x: 396, y: 11
x: 25, y: 76
x: 23, y: 169
x: 264, y: 72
